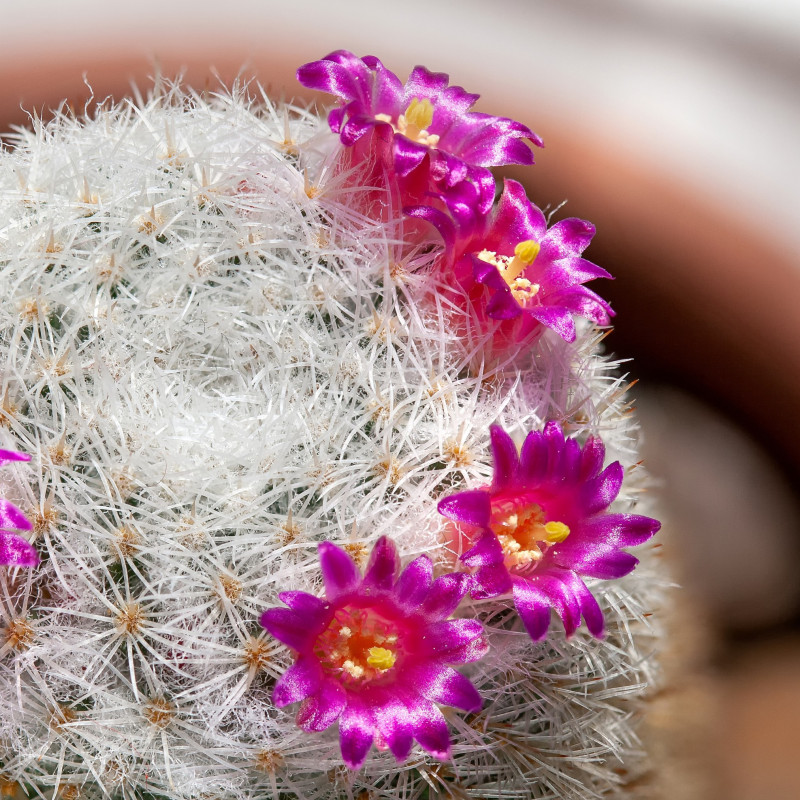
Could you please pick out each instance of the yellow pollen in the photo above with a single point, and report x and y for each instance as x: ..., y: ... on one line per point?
x: 523, y: 533
x: 381, y: 658
x: 512, y: 267
x: 556, y: 532
x: 419, y: 113
x: 527, y: 251
x: 414, y: 123
x: 359, y: 645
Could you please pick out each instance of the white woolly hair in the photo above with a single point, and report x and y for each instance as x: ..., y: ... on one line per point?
x: 216, y: 363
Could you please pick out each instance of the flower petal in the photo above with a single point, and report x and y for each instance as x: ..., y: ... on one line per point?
x: 533, y: 458
x: 443, y: 637
x: 12, y: 455
x: 387, y: 88
x: 506, y: 460
x: 354, y: 129
x: 486, y: 550
x: 594, y: 453
x: 556, y: 318
x: 423, y: 83
x: 571, y: 236
x: 407, y: 154
x: 322, y: 709
x: 444, y: 685
x: 571, y: 599
x: 584, y: 302
x: 16, y: 552
x: 590, y: 608
x: 445, y: 594
x: 304, y: 603
x: 441, y: 221
x: 570, y: 462
x: 289, y: 627
x: 414, y: 583
x: 339, y: 572
x: 430, y: 727
x: 533, y: 607
x: 599, y: 493
x: 393, y: 723
x: 556, y: 586
x: 515, y: 220
x: 596, y: 560
x: 356, y: 732
x: 491, y: 580
x: 382, y: 567
x: 473, y: 507
x: 622, y: 530
x: 301, y: 680
x: 12, y: 518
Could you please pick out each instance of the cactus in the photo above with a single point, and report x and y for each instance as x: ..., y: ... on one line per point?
x: 218, y: 357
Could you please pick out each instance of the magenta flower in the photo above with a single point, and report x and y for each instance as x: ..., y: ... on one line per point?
x: 14, y: 550
x: 375, y: 653
x: 527, y: 268
x: 543, y: 525
x: 424, y: 117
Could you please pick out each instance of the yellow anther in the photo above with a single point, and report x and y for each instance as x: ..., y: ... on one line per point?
x: 527, y: 251
x: 381, y: 658
x: 556, y: 532
x: 419, y: 113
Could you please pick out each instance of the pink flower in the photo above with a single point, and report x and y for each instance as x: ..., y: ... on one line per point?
x: 424, y: 118
x: 543, y: 525
x: 14, y: 550
x: 375, y: 653
x: 527, y: 270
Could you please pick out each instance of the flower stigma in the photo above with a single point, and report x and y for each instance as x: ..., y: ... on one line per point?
x: 512, y: 267
x: 358, y: 645
x: 414, y: 122
x: 523, y: 532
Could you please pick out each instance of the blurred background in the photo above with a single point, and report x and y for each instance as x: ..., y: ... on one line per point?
x: 673, y: 126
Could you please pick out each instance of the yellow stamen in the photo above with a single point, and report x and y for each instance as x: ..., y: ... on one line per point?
x: 523, y: 533
x: 512, y: 267
x: 556, y: 532
x: 527, y: 251
x: 381, y: 658
x: 414, y: 123
x: 419, y: 113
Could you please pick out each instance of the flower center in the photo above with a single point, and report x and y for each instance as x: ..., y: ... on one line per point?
x: 512, y: 267
x: 523, y: 532
x: 358, y: 645
x: 414, y: 122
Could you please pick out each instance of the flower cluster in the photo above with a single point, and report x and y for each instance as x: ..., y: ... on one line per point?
x: 434, y: 155
x: 372, y: 656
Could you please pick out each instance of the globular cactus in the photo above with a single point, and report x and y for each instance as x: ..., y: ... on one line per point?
x: 228, y: 336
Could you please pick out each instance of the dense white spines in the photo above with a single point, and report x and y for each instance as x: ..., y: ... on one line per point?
x: 215, y: 363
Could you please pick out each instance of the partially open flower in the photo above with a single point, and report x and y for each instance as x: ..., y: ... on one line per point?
x: 543, y: 525
x: 375, y: 653
x: 423, y: 117
x: 14, y: 550
x: 528, y: 269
